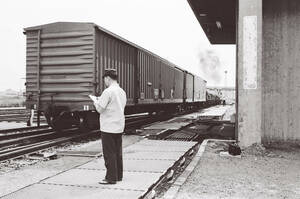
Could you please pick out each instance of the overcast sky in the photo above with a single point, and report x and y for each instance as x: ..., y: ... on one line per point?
x: 165, y: 27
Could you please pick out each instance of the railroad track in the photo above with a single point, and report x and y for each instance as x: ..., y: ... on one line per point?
x: 19, y: 142
x: 18, y: 132
x: 31, y: 146
x: 18, y: 114
x: 14, y: 114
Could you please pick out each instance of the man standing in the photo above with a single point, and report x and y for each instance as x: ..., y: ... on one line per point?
x: 111, y: 105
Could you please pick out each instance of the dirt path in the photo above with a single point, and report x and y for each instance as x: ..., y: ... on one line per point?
x: 260, y: 173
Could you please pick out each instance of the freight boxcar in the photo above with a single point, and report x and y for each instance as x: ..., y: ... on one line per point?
x: 199, y: 89
x: 65, y: 62
x: 189, y: 87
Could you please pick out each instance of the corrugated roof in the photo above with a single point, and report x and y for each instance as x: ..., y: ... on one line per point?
x: 217, y: 19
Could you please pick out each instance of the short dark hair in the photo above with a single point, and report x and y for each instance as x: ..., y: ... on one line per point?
x: 110, y: 72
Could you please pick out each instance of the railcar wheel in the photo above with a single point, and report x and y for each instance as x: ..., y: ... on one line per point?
x: 64, y: 120
x: 53, y: 124
x: 83, y: 126
x: 89, y: 121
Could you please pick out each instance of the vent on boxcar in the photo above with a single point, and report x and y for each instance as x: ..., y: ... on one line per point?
x: 142, y: 96
x: 162, y: 94
x: 172, y: 93
x: 156, y: 93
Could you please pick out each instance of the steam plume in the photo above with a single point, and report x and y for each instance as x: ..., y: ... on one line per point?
x: 210, y: 66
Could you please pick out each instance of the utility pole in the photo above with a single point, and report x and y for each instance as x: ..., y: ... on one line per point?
x: 225, y: 82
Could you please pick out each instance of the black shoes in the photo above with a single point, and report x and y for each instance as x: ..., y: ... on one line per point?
x: 107, y: 182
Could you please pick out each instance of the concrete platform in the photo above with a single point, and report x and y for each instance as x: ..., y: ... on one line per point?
x: 133, y: 165
x: 140, y: 181
x: 26, y: 175
x: 214, y: 112
x: 160, y: 143
x: 171, y: 125
x: 153, y: 155
x: 50, y: 191
x: 164, y: 148
x: 144, y: 163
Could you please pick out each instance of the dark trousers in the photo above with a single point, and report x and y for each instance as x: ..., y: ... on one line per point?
x: 112, y: 152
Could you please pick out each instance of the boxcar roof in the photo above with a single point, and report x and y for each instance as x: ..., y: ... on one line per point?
x: 39, y: 27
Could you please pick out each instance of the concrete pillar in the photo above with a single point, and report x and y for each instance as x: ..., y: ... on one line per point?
x: 281, y: 71
x: 249, y: 67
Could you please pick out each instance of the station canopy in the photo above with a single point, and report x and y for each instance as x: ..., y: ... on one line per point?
x: 217, y: 18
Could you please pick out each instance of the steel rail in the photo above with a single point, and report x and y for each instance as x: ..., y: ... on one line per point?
x: 20, y: 135
x: 5, y: 131
x: 43, y: 145
x: 47, y: 133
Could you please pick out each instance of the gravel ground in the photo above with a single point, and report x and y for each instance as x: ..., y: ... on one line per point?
x: 260, y: 173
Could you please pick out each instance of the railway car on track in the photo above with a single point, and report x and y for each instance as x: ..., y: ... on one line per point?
x: 65, y: 62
